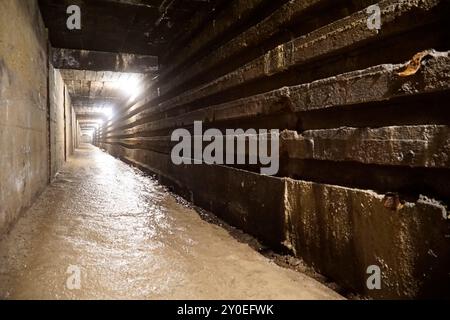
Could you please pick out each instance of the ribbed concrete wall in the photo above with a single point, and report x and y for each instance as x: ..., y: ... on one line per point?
x: 365, y: 146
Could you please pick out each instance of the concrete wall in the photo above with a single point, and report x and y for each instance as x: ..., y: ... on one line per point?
x: 71, y: 126
x: 35, y: 132
x: 23, y: 108
x: 62, y: 120
x: 364, y: 146
x: 57, y: 124
x: 86, y: 138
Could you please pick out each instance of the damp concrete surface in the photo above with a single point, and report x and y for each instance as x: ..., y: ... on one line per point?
x: 104, y: 230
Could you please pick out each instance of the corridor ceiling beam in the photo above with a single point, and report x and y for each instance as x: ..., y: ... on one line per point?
x: 97, y: 102
x: 93, y: 117
x: 152, y: 4
x: 103, y: 61
x: 144, y: 27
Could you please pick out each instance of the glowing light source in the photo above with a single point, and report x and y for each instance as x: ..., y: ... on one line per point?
x: 108, y: 112
x: 131, y: 86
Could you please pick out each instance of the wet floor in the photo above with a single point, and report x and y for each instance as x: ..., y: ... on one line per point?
x: 103, y: 230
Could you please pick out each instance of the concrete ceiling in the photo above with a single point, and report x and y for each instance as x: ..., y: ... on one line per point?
x: 93, y: 91
x: 143, y: 27
x: 118, y: 45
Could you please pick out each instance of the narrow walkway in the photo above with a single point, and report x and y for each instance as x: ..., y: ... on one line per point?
x: 131, y: 239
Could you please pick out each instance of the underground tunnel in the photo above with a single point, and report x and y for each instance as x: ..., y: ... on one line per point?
x: 224, y: 149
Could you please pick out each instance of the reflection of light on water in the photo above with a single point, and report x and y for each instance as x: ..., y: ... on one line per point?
x: 131, y: 239
x: 131, y: 205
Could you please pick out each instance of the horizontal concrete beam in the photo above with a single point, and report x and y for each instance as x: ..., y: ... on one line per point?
x: 265, y: 29
x: 138, y: 3
x: 414, y: 146
x: 347, y: 33
x: 374, y: 84
x: 88, y: 127
x: 91, y: 117
x: 103, y: 61
x: 78, y: 101
x: 259, y: 105
x: 237, y: 12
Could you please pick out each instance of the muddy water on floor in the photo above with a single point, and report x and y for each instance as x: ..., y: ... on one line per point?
x: 131, y: 239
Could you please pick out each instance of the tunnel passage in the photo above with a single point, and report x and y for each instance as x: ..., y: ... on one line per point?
x: 132, y: 239
x: 360, y: 110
